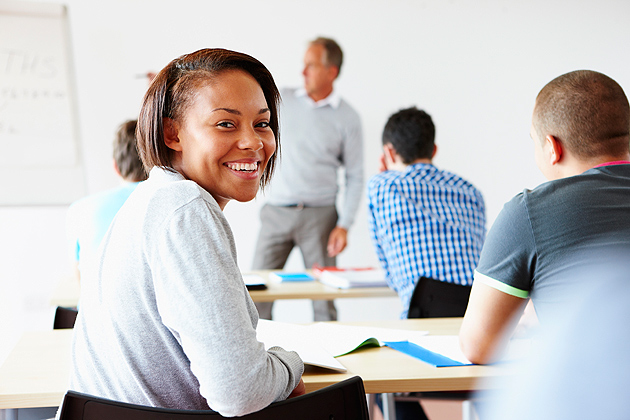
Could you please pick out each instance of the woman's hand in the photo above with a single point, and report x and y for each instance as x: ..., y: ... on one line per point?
x: 300, y: 389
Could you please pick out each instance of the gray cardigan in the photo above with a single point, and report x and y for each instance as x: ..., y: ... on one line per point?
x: 165, y: 319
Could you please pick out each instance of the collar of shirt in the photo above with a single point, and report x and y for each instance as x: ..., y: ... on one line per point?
x: 333, y: 99
x: 617, y: 162
x: 418, y: 166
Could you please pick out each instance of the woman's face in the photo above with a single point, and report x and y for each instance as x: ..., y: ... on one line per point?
x: 223, y: 140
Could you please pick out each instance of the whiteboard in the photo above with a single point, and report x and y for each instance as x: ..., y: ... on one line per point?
x: 41, y: 161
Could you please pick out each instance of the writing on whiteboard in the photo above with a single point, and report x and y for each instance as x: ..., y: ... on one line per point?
x: 16, y: 62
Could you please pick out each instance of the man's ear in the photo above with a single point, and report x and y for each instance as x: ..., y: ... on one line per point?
x: 555, y: 149
x: 434, y: 151
x: 171, y: 138
x: 334, y: 72
x: 115, y: 165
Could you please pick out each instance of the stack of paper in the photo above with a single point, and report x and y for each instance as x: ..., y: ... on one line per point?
x: 347, y: 278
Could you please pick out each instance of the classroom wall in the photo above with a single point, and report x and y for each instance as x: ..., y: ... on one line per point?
x: 476, y: 67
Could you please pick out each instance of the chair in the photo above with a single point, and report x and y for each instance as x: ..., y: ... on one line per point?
x: 65, y: 318
x: 341, y: 401
x: 438, y: 299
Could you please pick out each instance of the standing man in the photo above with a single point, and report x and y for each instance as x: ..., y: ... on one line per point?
x: 424, y: 221
x: 544, y: 239
x: 320, y: 133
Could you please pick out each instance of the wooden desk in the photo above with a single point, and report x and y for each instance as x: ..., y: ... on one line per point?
x: 67, y: 292
x: 36, y: 372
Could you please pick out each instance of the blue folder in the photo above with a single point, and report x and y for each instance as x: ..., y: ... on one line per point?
x: 285, y: 276
x: 427, y: 356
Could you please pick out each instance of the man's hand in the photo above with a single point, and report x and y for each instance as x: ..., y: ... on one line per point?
x: 382, y: 163
x: 337, y: 241
x: 300, y: 389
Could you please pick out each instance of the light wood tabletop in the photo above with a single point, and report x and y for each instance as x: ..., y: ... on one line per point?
x: 67, y: 291
x: 36, y: 372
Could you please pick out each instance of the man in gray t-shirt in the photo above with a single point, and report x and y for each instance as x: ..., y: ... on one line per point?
x: 580, y: 129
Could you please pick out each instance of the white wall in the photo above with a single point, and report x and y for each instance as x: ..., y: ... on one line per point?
x: 476, y: 67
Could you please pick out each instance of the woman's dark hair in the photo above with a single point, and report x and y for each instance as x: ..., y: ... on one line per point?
x: 174, y: 88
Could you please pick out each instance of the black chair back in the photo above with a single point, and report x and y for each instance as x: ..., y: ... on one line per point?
x: 342, y: 401
x: 437, y: 299
x: 65, y: 318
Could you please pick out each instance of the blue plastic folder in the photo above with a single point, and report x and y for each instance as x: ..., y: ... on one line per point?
x: 427, y: 356
x: 280, y: 276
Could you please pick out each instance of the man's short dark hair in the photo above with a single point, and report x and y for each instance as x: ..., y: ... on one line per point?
x: 333, y: 55
x: 126, y: 153
x: 587, y: 112
x: 411, y: 133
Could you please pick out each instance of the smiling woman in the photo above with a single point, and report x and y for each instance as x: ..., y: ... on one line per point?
x: 165, y: 318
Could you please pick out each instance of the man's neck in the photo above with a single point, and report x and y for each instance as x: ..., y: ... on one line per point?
x: 318, y: 96
x: 422, y: 160
x: 577, y: 166
x: 400, y: 166
x: 602, y: 160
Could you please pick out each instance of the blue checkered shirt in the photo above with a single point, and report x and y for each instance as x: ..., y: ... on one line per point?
x: 425, y: 222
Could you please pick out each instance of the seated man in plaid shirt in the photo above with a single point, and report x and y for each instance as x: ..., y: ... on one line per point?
x: 424, y: 221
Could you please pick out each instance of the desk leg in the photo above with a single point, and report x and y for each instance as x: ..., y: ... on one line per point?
x: 9, y: 414
x: 389, y: 407
x: 468, y: 410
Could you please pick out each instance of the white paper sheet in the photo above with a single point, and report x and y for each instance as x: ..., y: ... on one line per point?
x: 295, y: 337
